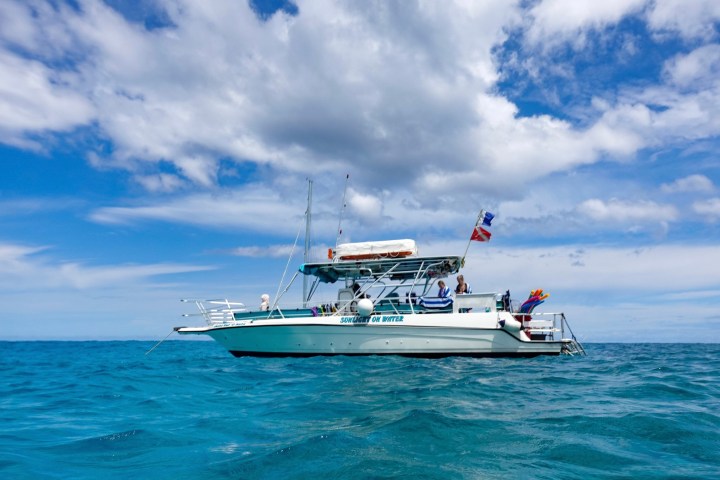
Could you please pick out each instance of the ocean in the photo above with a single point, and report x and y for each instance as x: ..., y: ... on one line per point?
x: 189, y: 409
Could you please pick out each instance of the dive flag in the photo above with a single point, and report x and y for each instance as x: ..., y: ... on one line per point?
x: 487, y: 218
x: 480, y: 234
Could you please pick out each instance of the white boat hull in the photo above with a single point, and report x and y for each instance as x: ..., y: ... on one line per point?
x: 302, y: 339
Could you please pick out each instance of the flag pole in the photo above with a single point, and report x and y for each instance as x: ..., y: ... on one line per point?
x: 477, y: 222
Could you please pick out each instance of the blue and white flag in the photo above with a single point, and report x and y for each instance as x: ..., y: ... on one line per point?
x: 487, y: 218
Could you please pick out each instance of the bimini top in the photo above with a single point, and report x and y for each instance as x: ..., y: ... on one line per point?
x: 393, y: 268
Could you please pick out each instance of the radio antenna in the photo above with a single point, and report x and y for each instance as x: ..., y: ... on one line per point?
x: 342, y: 209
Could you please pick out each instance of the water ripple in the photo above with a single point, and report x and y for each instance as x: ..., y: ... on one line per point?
x: 190, y: 410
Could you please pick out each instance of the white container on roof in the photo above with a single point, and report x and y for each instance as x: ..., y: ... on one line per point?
x: 375, y: 250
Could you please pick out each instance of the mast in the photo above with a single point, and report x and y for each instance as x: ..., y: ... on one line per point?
x: 308, y: 220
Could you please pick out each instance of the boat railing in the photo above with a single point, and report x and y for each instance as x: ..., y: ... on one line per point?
x: 215, y: 311
x: 552, y: 327
x: 542, y: 323
x: 222, y: 312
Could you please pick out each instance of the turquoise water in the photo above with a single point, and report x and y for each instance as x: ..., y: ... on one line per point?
x: 191, y: 410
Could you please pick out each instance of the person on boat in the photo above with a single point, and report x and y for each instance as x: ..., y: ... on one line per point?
x: 444, y: 291
x: 264, y: 302
x: 356, y: 291
x: 444, y: 298
x: 462, y: 287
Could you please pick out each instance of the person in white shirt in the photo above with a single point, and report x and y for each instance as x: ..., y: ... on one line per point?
x: 265, y: 302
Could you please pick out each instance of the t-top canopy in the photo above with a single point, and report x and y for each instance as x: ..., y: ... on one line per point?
x: 393, y: 268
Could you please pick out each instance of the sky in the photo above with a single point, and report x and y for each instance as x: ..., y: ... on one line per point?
x: 160, y: 150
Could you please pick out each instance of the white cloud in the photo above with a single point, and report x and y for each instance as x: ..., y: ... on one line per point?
x: 253, y: 207
x: 32, y: 205
x: 13, y: 258
x: 415, y: 103
x: 684, y: 117
x: 23, y: 268
x: 622, y: 211
x: 417, y: 90
x: 709, y: 208
x: 162, y: 182
x: 279, y: 209
x: 658, y: 116
x: 16, y: 24
x: 265, y: 251
x: 554, y: 21
x: 686, y: 108
x: 83, y: 276
x: 367, y: 206
x: 573, y: 269
x: 34, y: 98
x: 34, y: 25
x: 696, y: 19
x: 200, y: 169
x: 699, y: 68
x: 691, y: 183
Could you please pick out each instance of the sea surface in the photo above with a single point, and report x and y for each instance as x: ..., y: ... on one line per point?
x: 190, y: 410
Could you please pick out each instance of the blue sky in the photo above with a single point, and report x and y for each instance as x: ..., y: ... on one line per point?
x: 161, y: 150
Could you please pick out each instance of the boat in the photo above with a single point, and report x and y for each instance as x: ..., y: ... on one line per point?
x: 383, y: 301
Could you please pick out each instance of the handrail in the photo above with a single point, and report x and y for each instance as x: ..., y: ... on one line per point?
x: 218, y: 314
x: 575, y: 341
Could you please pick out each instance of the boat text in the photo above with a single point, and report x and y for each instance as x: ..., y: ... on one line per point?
x: 375, y: 319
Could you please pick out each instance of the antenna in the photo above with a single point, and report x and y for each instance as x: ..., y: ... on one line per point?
x: 342, y: 209
x: 308, y: 219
